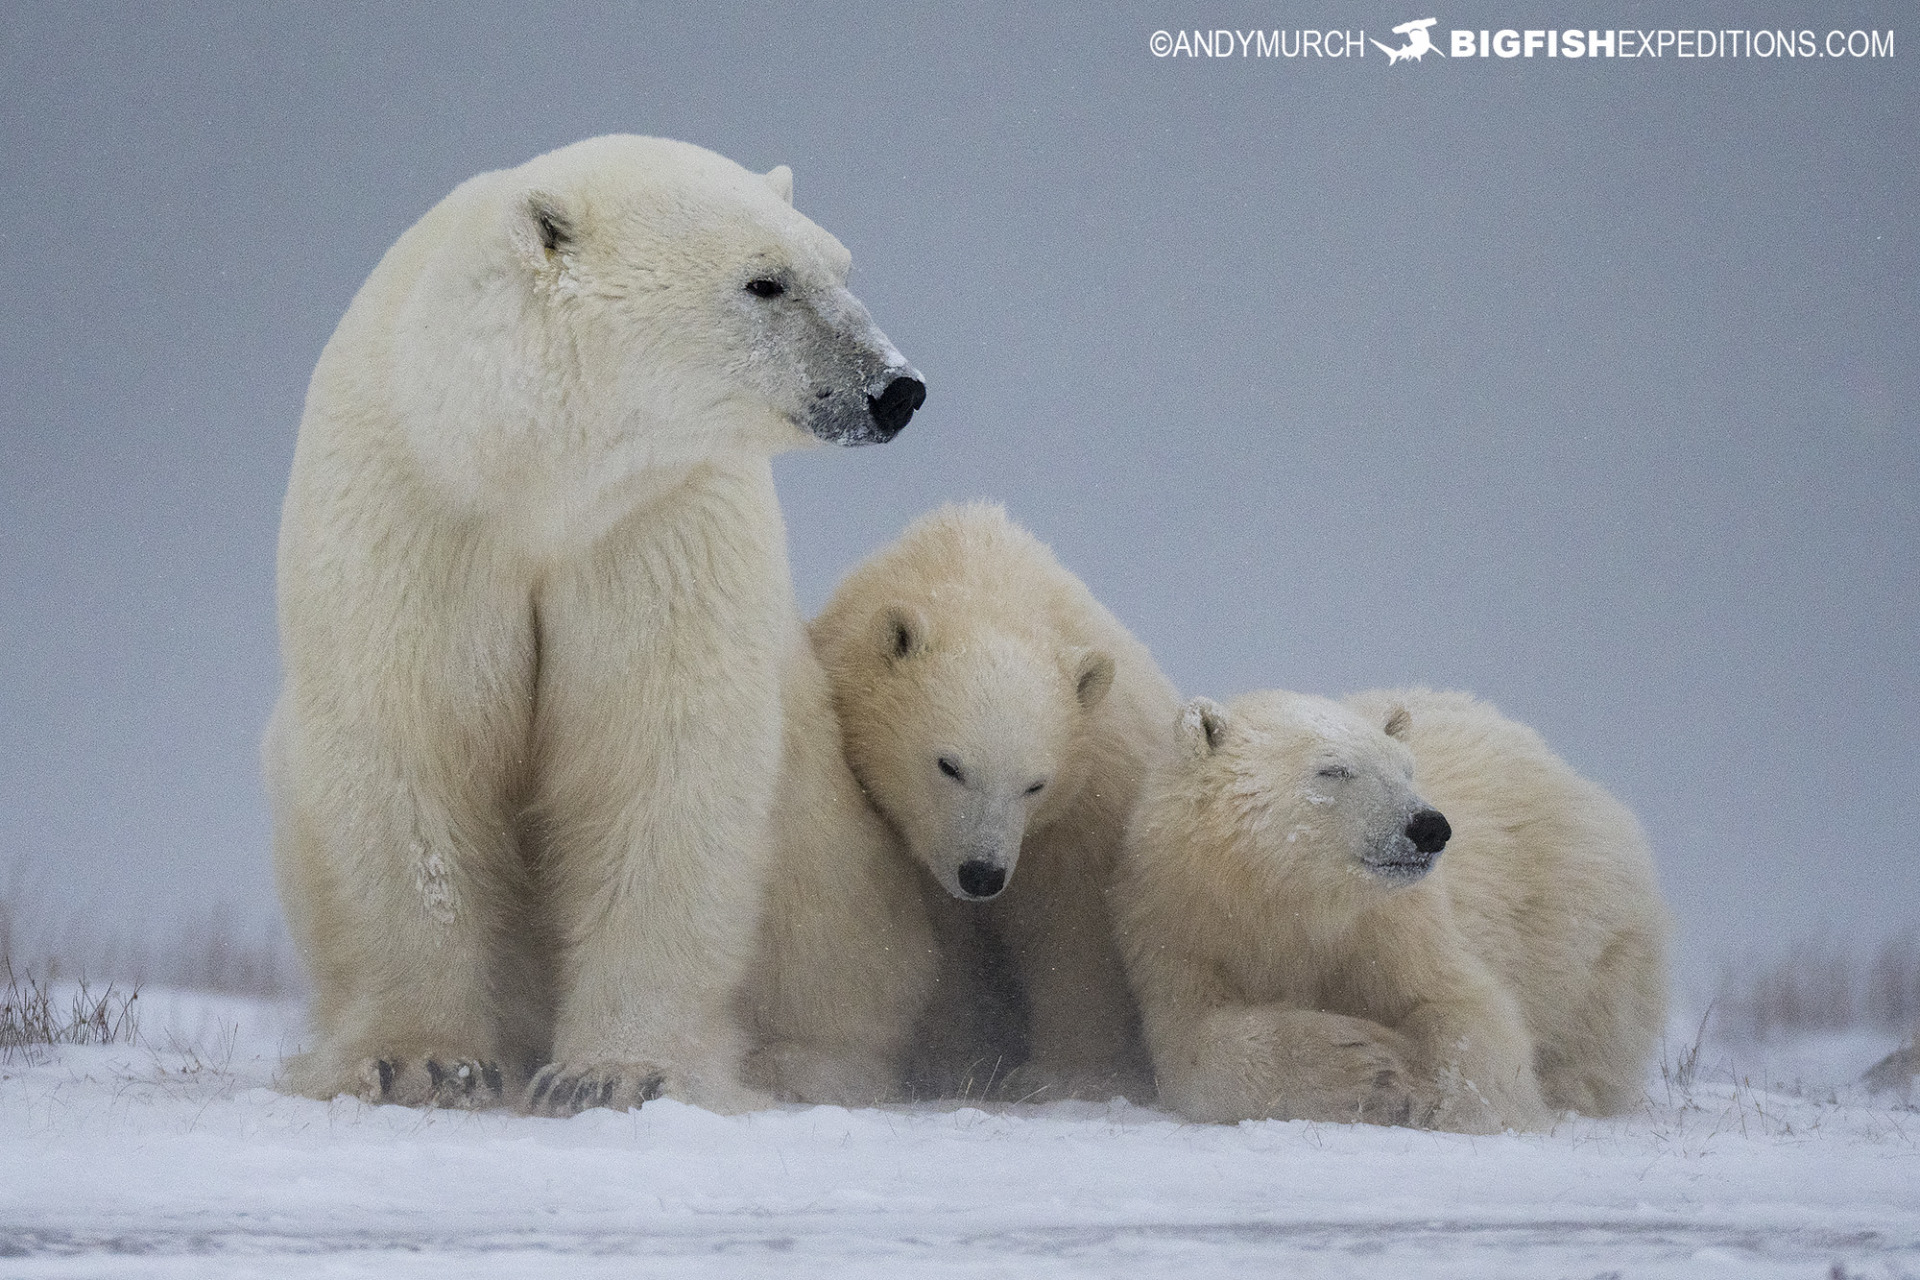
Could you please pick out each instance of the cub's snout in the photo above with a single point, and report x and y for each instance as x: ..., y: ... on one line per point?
x: 1429, y: 831
x: 1411, y: 852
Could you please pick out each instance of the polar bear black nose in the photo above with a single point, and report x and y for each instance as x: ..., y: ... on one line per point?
x: 1429, y: 831
x: 893, y: 406
x: 981, y: 879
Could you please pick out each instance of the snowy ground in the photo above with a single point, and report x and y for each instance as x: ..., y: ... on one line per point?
x: 172, y: 1157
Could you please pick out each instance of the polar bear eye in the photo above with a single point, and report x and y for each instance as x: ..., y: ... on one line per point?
x: 764, y: 288
x: 1036, y: 788
x: 951, y: 768
x: 1336, y: 771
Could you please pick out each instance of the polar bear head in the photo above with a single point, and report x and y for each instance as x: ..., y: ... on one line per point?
x: 967, y: 736
x: 626, y: 306
x: 1308, y: 790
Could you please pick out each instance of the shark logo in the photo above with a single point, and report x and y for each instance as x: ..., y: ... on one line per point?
x: 1418, y: 44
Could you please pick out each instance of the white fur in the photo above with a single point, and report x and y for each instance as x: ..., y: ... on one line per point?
x: 1282, y: 972
x: 846, y: 958
x: 537, y: 621
x: 967, y: 640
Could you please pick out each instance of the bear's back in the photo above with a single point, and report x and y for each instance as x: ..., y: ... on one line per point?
x: 1546, y: 873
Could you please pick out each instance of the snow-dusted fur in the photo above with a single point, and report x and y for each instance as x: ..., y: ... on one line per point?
x: 1295, y: 956
x: 1001, y: 720
x: 535, y: 617
x: 846, y: 958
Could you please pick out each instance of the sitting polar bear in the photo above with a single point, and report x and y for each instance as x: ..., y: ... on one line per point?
x: 537, y: 626
x: 1000, y: 719
x: 1303, y: 949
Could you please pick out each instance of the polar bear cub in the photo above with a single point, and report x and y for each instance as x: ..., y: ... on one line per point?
x: 847, y: 957
x: 1400, y: 908
x: 1001, y: 721
x: 537, y: 626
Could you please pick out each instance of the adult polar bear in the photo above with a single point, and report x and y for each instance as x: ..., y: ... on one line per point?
x: 537, y: 622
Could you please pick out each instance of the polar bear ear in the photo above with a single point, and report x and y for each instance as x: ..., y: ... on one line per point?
x: 1203, y: 726
x: 546, y: 230
x: 901, y: 631
x: 780, y: 178
x: 1092, y: 677
x: 1399, y: 721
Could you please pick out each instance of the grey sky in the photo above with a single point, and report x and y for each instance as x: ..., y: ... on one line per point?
x: 1592, y: 391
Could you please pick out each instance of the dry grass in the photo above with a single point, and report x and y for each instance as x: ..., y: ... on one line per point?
x: 1683, y: 1068
x: 32, y: 1016
x: 1822, y: 985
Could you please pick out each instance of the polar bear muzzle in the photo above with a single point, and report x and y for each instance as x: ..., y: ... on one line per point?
x: 873, y: 413
x: 1429, y: 831
x: 980, y: 879
x: 869, y: 394
x: 1411, y: 853
x: 893, y: 407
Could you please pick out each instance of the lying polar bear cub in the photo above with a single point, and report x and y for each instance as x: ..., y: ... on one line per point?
x: 1302, y: 948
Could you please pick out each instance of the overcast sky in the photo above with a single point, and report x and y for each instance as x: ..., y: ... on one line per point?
x: 1589, y: 388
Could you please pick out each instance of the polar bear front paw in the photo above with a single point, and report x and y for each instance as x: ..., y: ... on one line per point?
x: 1281, y: 1063
x: 1389, y: 1097
x: 431, y: 1081
x: 568, y: 1088
x: 1368, y: 1082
